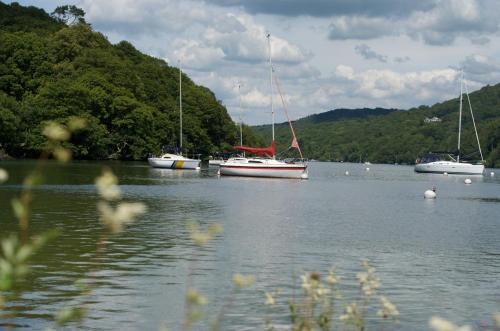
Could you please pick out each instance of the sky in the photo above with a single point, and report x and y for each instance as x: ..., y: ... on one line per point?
x: 326, y: 54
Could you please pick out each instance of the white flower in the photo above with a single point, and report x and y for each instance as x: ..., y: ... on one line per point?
x: 306, y: 284
x: 62, y: 154
x: 269, y: 299
x: 194, y: 297
x: 116, y: 219
x: 332, y: 278
x: 388, y: 308
x: 350, y: 313
x: 4, y: 175
x: 440, y: 324
x: 56, y: 131
x: 107, y: 186
x: 201, y: 238
x: 242, y: 281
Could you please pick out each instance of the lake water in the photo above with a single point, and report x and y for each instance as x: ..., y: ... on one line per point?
x: 434, y: 257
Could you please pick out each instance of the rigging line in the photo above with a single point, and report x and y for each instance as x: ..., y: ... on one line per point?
x: 473, y: 121
x: 460, y: 113
x: 286, y: 113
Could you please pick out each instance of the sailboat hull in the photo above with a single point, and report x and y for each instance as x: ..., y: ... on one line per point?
x: 184, y: 163
x: 269, y: 169
x: 450, y: 167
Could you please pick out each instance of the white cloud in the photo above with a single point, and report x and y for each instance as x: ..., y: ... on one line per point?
x: 195, y: 55
x: 360, y: 27
x: 247, y: 42
x: 344, y: 71
x: 420, y: 87
x: 146, y: 16
x: 437, y: 25
x: 481, y: 69
x: 255, y: 99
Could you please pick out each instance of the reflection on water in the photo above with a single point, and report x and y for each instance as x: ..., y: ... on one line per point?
x: 433, y: 257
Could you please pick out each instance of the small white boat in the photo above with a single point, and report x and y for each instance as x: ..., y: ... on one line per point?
x: 174, y: 161
x: 444, y: 162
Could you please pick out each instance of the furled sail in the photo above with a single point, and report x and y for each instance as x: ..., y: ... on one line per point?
x: 269, y: 151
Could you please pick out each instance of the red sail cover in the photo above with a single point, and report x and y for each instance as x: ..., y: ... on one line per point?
x: 271, y: 150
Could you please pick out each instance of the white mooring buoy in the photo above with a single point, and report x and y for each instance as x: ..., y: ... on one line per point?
x: 430, y: 194
x: 367, y: 169
x: 492, y: 174
x: 347, y: 173
x: 467, y: 181
x: 445, y: 173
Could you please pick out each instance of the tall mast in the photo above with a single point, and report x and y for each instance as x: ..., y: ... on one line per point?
x: 241, y: 121
x: 180, y: 105
x: 271, y: 76
x: 460, y: 113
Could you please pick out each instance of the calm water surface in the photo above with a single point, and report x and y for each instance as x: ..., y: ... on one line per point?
x: 433, y: 257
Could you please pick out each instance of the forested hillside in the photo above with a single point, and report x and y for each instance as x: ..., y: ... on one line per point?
x: 55, y: 67
x: 400, y: 136
x: 345, y: 113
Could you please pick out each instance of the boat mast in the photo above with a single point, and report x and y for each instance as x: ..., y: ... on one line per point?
x: 180, y: 105
x: 473, y: 121
x: 271, y: 77
x: 460, y: 113
x: 241, y: 121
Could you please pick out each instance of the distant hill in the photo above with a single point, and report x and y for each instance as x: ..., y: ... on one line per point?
x: 345, y: 113
x: 52, y: 70
x: 389, y: 136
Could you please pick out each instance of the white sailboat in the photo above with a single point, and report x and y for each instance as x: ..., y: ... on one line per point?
x: 267, y: 166
x: 176, y: 161
x: 434, y: 162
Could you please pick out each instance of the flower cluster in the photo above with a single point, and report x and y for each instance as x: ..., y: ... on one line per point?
x: 388, y: 308
x: 59, y: 134
x: 115, y: 218
x: 367, y: 280
x: 243, y: 281
x: 200, y: 238
x: 351, y: 314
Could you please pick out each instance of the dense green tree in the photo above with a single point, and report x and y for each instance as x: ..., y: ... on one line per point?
x: 54, y: 68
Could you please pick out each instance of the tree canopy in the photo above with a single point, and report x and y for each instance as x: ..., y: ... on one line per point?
x: 56, y: 68
x: 69, y: 14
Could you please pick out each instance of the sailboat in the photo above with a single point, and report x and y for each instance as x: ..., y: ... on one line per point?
x: 435, y: 162
x: 267, y: 165
x: 171, y: 160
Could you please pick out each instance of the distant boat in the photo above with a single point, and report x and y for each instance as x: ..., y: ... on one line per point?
x: 441, y: 162
x: 268, y: 165
x: 215, y: 162
x: 176, y: 161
